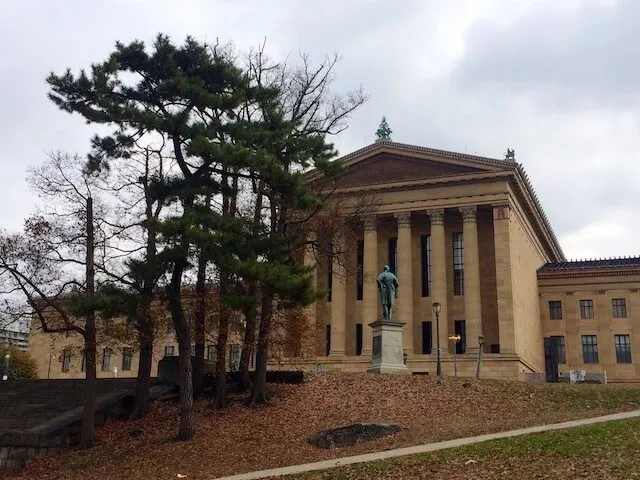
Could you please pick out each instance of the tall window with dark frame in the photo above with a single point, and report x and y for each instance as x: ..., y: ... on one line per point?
x: 393, y: 255
x: 106, y: 359
x: 358, y: 339
x: 586, y: 309
x: 562, y: 351
x: 329, y: 272
x: 327, y: 340
x: 127, y: 355
x: 590, y: 349
x: 460, y: 329
x: 83, y: 364
x: 66, y: 360
x: 427, y: 339
x: 619, y: 307
x: 425, y: 262
x: 211, y: 353
x: 623, y: 348
x: 360, y: 270
x: 168, y: 351
x: 458, y: 264
x: 555, y: 310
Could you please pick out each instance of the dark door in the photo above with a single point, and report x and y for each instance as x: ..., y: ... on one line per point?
x: 551, y: 359
x: 461, y: 330
x: 427, y: 333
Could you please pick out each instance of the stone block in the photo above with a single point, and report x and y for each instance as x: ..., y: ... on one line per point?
x: 387, y: 354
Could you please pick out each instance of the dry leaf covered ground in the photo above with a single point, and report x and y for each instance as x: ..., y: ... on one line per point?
x: 241, y: 439
x: 609, y: 451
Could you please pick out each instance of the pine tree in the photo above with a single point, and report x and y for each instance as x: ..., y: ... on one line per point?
x: 185, y: 96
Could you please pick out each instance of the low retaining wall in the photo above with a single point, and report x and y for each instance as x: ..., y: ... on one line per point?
x: 17, y: 447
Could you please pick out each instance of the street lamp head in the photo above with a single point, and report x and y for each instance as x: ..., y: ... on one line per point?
x: 7, y: 357
x: 436, y: 308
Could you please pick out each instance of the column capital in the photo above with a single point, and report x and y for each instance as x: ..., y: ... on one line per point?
x: 469, y: 213
x: 502, y: 211
x: 436, y: 216
x: 370, y: 222
x: 403, y: 218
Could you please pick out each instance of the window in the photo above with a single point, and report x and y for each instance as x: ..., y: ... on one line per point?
x: 235, y: 351
x: 168, y: 351
x: 66, y: 360
x: 425, y: 262
x: 623, y: 348
x: 589, y: 349
x: 393, y: 255
x: 460, y: 329
x: 106, y: 359
x: 127, y: 355
x: 358, y: 339
x: 327, y: 340
x: 211, y: 353
x: 360, y: 270
x: 458, y: 264
x: 562, y: 352
x: 586, y: 309
x: 427, y: 332
x: 619, y: 307
x: 555, y: 310
x: 329, y: 272
x: 83, y: 365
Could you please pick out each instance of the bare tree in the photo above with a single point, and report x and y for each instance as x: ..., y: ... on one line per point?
x: 52, y: 264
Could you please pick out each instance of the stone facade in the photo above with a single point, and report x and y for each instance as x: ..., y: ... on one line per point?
x: 593, y: 307
x: 465, y: 231
x: 477, y: 228
x: 60, y: 355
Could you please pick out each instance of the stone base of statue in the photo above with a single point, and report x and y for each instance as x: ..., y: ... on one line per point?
x: 387, y: 353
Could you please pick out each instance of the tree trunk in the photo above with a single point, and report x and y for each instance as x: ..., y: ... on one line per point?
x: 143, y: 383
x: 251, y: 318
x: 87, y: 429
x: 259, y: 394
x: 251, y: 313
x: 186, y: 430
x: 199, y: 325
x: 221, y: 347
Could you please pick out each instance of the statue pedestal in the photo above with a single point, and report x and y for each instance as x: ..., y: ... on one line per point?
x: 387, y: 353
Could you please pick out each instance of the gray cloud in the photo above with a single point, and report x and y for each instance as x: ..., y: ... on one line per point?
x: 512, y: 86
x: 565, y: 57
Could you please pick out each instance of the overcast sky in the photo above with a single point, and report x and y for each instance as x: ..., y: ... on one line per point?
x: 557, y: 80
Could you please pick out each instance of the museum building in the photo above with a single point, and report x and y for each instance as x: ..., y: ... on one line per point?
x: 462, y: 231
x: 469, y: 234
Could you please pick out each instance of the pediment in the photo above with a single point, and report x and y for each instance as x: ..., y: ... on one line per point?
x: 390, y: 168
x: 386, y: 162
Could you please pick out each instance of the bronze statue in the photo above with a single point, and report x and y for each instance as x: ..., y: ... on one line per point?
x: 510, y: 155
x: 387, y: 285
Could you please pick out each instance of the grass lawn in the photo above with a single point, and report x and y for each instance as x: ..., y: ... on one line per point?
x: 603, y: 451
x: 241, y: 439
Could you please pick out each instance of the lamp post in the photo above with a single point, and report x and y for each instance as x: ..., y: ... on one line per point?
x: 436, y: 310
x: 455, y: 339
x: 7, y: 359
x: 480, y: 344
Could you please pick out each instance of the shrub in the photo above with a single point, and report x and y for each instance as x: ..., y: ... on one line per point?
x: 22, y: 365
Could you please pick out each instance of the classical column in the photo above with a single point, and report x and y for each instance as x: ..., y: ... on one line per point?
x: 338, y: 298
x: 369, y: 275
x: 439, y: 291
x: 504, y: 280
x: 307, y: 343
x: 472, y: 305
x: 404, y: 312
